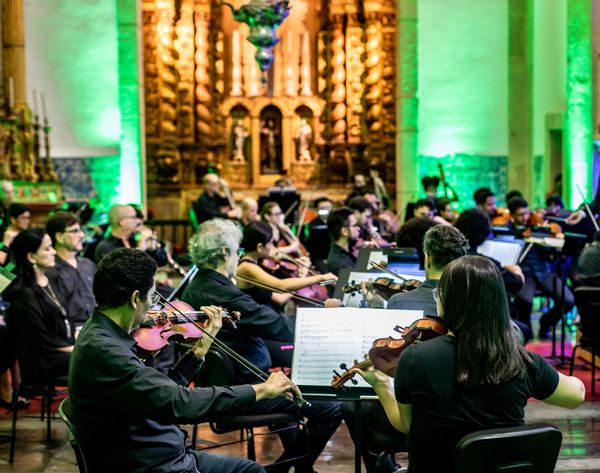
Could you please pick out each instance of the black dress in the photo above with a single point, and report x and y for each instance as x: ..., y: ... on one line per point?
x: 38, y: 328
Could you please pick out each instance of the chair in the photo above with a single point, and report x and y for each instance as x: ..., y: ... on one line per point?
x: 530, y: 448
x: 218, y: 370
x: 587, y: 301
x: 48, y: 391
x: 65, y: 410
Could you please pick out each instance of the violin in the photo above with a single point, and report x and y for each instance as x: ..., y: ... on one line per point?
x: 385, y: 287
x: 168, y: 323
x: 385, y: 352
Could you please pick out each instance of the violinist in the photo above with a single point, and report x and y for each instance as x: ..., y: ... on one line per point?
x: 452, y: 385
x: 125, y: 412
x: 211, y: 203
x: 345, y: 232
x: 369, y: 232
x: 441, y: 245
x: 257, y: 242
x: 578, y: 215
x: 286, y: 242
x: 214, y: 248
x: 538, y: 274
x: 249, y: 212
x: 444, y: 212
x: 318, y: 240
x: 485, y: 200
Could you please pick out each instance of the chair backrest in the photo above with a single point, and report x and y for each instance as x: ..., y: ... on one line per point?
x: 217, y: 370
x: 530, y: 448
x: 193, y: 219
x: 65, y: 410
x: 587, y: 300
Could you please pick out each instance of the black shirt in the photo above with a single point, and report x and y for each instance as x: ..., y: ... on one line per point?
x: 39, y: 327
x: 420, y: 298
x: 588, y: 266
x: 258, y: 322
x: 318, y: 241
x: 207, y: 207
x: 338, y: 258
x: 443, y: 412
x: 125, y: 412
x: 110, y: 243
x: 75, y: 286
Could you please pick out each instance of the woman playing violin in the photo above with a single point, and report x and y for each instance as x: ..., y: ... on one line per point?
x: 476, y: 377
x: 257, y: 242
x: 283, y: 238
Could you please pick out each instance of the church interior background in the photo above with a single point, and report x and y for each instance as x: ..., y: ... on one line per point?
x: 143, y: 98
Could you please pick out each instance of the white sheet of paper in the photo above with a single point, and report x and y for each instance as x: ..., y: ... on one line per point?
x: 504, y: 252
x: 326, y: 338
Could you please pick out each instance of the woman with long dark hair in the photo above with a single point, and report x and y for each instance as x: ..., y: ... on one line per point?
x: 476, y: 377
x: 37, y: 316
x: 257, y: 242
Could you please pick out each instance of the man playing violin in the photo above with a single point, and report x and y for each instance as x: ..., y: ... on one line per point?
x: 215, y: 250
x: 441, y: 245
x: 124, y: 411
x: 345, y: 232
x: 538, y: 274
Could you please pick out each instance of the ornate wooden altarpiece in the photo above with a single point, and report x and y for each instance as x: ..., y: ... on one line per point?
x: 327, y: 110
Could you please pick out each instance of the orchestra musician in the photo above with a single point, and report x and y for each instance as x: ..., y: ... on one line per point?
x: 249, y: 211
x: 214, y: 249
x: 126, y: 412
x: 441, y: 245
x: 369, y: 234
x: 476, y: 377
x: 257, y: 241
x: 538, y: 274
x: 285, y: 241
x: 345, y: 232
x: 215, y: 201
x: 318, y: 240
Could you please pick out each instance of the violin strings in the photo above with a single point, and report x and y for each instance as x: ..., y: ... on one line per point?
x: 224, y: 348
x: 308, y: 300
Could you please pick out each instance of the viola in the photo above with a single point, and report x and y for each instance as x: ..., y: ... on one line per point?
x: 385, y: 352
x: 385, y: 287
x: 168, y: 323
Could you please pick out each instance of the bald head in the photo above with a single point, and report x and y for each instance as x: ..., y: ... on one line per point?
x: 249, y: 210
x: 6, y: 192
x: 118, y: 214
x: 211, y: 183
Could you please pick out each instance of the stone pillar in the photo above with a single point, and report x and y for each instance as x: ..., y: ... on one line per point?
x: 520, y: 97
x: 13, y: 50
x: 577, y: 163
x: 407, y: 104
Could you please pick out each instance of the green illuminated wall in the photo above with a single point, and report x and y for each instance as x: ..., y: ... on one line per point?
x: 81, y: 54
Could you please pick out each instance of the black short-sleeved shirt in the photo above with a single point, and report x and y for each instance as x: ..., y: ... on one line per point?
x: 443, y: 413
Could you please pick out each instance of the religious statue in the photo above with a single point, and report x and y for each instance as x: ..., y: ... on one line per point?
x: 239, y: 139
x: 303, y: 138
x: 270, y: 147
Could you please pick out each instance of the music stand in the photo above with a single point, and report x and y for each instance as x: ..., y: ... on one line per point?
x: 286, y: 198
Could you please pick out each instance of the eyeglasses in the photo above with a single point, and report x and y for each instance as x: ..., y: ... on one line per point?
x: 436, y: 294
x: 241, y: 252
x: 155, y: 298
x: 74, y: 230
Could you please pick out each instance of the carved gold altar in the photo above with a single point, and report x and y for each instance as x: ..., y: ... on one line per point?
x: 327, y: 110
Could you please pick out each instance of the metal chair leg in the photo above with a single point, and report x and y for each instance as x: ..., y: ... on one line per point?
x: 13, y: 432
x: 49, y: 392
x: 194, y: 435
x: 593, y: 370
x: 572, y: 366
x: 251, y: 447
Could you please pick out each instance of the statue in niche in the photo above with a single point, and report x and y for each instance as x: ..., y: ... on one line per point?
x: 240, y: 134
x: 270, y: 148
x: 303, y: 139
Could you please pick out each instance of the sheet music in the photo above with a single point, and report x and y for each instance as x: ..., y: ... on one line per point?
x: 506, y: 253
x: 324, y: 340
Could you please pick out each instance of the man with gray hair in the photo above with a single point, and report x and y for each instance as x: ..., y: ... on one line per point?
x: 215, y: 250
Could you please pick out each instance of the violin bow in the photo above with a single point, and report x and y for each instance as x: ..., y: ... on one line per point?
x: 587, y: 208
x: 308, y: 300
x: 387, y: 270
x: 255, y: 370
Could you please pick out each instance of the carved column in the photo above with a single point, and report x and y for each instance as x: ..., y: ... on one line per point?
x: 13, y: 51
x: 202, y: 91
x: 407, y: 107
x: 338, y: 81
x: 184, y: 47
x: 520, y: 97
x: 355, y: 66
x: 167, y: 73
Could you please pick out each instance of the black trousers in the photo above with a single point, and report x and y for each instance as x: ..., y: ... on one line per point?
x: 323, y: 419
x: 551, y: 287
x: 377, y: 457
x: 209, y: 463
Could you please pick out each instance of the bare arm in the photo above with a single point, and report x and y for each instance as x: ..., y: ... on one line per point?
x: 289, y: 284
x: 569, y: 393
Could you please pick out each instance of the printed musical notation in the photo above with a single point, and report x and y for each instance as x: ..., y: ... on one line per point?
x: 324, y: 339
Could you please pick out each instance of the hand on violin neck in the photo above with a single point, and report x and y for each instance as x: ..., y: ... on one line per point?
x: 376, y: 379
x: 276, y: 385
x: 211, y: 326
x: 328, y: 277
x: 374, y: 300
x: 332, y: 303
